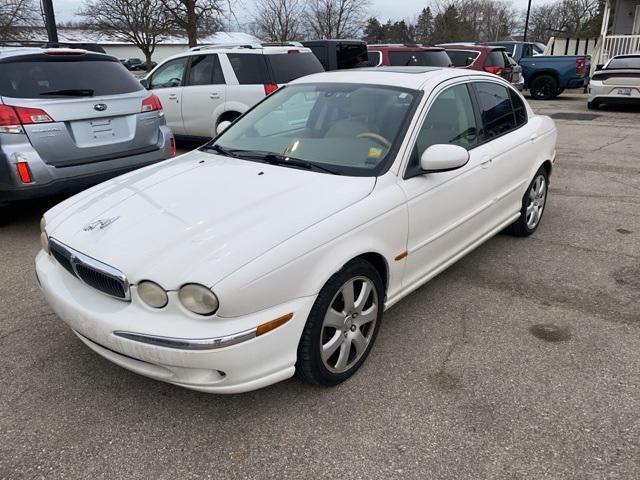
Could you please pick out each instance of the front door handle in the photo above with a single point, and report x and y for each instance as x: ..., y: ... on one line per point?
x: 486, y: 162
x: 173, y: 96
x: 533, y: 137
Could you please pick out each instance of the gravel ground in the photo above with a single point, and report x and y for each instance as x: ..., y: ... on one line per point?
x: 520, y: 361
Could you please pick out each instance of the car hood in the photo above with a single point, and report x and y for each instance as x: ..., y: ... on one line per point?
x: 199, y: 217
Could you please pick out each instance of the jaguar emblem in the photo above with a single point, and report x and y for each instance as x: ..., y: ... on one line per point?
x: 101, y: 107
x: 99, y: 224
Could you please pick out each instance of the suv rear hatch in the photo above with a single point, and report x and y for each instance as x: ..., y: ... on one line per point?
x: 85, y: 107
x: 419, y: 57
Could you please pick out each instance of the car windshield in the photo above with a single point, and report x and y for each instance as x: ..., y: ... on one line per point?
x: 624, y: 62
x: 349, y: 129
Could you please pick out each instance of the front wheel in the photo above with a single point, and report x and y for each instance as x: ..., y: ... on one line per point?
x: 544, y: 87
x: 342, y: 326
x: 533, y: 203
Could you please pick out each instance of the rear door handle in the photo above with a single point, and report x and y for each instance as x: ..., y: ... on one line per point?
x: 214, y: 95
x: 486, y: 162
x: 173, y: 96
x: 533, y: 137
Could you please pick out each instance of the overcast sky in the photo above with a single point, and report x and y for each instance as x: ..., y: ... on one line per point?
x: 383, y: 9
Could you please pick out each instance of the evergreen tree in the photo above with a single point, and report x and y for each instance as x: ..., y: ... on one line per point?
x: 424, y: 26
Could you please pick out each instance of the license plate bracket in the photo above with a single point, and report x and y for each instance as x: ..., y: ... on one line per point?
x: 623, y: 91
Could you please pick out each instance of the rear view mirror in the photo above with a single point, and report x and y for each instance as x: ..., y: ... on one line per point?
x: 222, y: 126
x: 145, y: 83
x: 469, y: 61
x: 443, y: 157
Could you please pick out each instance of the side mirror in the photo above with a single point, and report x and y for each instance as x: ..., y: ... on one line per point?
x: 145, y: 83
x: 222, y: 126
x: 600, y: 66
x: 443, y: 157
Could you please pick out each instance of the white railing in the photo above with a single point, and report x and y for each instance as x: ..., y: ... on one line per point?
x: 619, y: 45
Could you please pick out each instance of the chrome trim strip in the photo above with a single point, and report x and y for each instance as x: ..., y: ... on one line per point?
x: 76, y: 258
x: 189, y: 343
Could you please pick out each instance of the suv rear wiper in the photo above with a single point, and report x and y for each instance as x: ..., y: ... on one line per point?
x: 72, y: 92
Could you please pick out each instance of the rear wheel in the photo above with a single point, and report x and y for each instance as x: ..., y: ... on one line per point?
x: 342, y: 326
x: 533, y: 203
x: 544, y: 87
x: 593, y: 105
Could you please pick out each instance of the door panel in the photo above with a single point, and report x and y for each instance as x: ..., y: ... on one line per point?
x: 448, y: 211
x: 203, y: 96
x: 166, y: 82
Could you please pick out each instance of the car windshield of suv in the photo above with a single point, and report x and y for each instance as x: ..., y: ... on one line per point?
x: 624, y: 62
x: 40, y: 77
x: 419, y: 59
x: 347, y: 129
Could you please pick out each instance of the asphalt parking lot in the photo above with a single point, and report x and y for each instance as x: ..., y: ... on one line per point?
x: 522, y: 361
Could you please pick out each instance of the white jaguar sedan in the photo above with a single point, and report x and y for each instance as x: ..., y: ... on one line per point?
x: 274, y: 249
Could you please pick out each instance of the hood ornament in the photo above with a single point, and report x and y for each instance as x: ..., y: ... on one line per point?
x: 99, y: 224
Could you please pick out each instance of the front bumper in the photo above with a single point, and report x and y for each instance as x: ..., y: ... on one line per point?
x: 50, y: 180
x: 252, y: 363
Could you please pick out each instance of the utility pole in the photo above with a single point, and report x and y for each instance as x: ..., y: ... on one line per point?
x: 526, y: 22
x: 50, y: 20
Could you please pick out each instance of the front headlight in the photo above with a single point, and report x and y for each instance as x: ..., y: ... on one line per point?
x: 152, y: 294
x: 44, y: 239
x: 198, y: 299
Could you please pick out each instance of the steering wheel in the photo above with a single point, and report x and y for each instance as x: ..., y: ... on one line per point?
x: 376, y: 138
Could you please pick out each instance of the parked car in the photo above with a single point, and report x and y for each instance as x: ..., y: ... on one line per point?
x: 134, y: 64
x: 517, y: 49
x: 276, y: 247
x: 208, y: 85
x: 481, y: 57
x: 71, y: 118
x: 517, y: 80
x: 618, y: 82
x: 339, y: 54
x: 407, y: 56
x: 547, y: 76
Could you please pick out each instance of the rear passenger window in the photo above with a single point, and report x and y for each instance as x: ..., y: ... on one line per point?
x: 250, y: 69
x: 495, y: 108
x: 289, y: 66
x: 375, y: 58
x: 450, y: 120
x: 519, y: 109
x: 205, y: 70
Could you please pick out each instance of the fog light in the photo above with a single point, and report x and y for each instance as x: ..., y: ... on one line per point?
x: 152, y: 294
x: 198, y: 299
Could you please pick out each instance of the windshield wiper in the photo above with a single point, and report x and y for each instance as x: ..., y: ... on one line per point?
x: 72, y: 92
x: 284, y: 160
x: 219, y: 149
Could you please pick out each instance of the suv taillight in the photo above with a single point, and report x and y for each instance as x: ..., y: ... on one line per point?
x: 494, y: 70
x: 151, y: 104
x: 269, y: 88
x: 579, y: 66
x: 12, y: 118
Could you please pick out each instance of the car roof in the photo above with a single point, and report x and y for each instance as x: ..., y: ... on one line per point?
x: 248, y: 47
x: 404, y: 47
x: 7, y: 52
x: 414, y: 78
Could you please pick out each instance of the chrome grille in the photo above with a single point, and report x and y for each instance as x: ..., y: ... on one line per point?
x: 92, y: 272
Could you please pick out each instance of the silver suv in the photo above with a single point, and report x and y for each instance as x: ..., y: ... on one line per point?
x: 71, y: 118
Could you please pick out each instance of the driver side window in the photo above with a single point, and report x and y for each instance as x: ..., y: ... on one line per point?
x: 169, y: 75
x: 451, y: 120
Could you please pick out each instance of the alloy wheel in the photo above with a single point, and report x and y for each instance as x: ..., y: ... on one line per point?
x: 536, y: 201
x: 349, y: 324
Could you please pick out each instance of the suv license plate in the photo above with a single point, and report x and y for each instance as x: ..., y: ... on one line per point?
x: 624, y: 91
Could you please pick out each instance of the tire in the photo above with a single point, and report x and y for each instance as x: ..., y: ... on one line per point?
x: 593, y: 105
x: 525, y: 225
x: 544, y: 87
x: 336, y: 327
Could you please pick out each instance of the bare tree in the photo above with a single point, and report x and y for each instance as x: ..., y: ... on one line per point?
x: 569, y: 17
x: 278, y: 20
x: 141, y: 22
x: 193, y: 16
x: 15, y: 16
x: 336, y: 18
